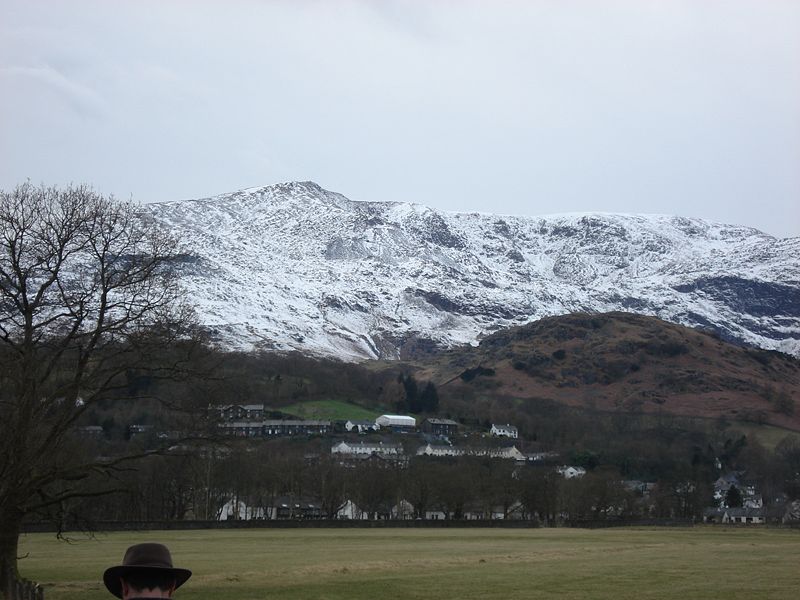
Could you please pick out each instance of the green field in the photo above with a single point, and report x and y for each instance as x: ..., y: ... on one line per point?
x: 334, y: 410
x: 351, y: 564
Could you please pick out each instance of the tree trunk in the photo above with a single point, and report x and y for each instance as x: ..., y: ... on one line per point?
x: 10, y: 523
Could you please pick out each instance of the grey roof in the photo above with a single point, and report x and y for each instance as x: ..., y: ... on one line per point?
x: 745, y: 512
x: 435, y: 421
x: 505, y: 426
x: 278, y: 423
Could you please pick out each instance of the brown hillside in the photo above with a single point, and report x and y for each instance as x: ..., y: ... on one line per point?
x: 629, y: 363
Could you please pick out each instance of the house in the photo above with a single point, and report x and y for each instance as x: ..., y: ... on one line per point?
x: 442, y: 427
x: 136, y: 429
x: 792, y: 512
x: 241, y: 412
x: 275, y: 428
x: 351, y: 512
x: 725, y: 481
x: 397, y: 423
x: 723, y: 484
x: 435, y: 515
x: 367, y: 449
x: 569, y: 472
x: 747, y: 516
x: 236, y: 510
x: 641, y: 489
x: 493, y: 513
x: 752, y: 500
x: 242, y: 429
x: 361, y: 426
x: 509, y: 452
x: 291, y: 507
x: 504, y: 431
x: 712, y: 514
x: 743, y: 515
x: 750, y: 497
x: 282, y: 427
x: 439, y: 450
x: 402, y: 510
x: 541, y: 457
x: 91, y: 431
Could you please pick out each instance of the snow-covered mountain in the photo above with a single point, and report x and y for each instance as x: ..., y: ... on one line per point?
x: 293, y: 266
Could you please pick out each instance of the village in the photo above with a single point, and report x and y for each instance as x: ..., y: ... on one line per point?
x: 392, y: 442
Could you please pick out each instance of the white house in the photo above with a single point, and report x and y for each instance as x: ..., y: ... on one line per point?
x: 351, y: 512
x: 494, y: 513
x: 571, y: 472
x: 439, y: 450
x: 275, y: 427
x: 402, y: 510
x: 754, y: 501
x: 504, y: 431
x: 361, y: 426
x: 792, y: 514
x: 398, y: 422
x: 510, y: 452
x: 238, y: 510
x: 743, y: 515
x: 366, y: 449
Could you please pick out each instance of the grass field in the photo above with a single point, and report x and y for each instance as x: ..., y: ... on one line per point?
x: 353, y: 564
x: 330, y: 409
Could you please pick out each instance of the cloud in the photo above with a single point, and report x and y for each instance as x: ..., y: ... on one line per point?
x: 82, y: 99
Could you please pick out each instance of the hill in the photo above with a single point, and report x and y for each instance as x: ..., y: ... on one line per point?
x: 621, y: 363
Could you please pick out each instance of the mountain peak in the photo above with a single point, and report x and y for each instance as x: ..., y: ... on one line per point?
x: 293, y: 266
x: 302, y: 186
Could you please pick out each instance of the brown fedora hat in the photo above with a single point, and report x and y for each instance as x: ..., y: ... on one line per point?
x: 142, y: 558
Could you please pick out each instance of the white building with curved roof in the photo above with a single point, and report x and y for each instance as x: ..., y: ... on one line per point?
x: 396, y: 421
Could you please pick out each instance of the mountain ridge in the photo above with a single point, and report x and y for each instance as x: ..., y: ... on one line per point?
x: 296, y: 267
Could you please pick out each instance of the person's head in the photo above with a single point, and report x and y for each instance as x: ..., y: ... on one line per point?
x: 146, y: 572
x: 147, y: 584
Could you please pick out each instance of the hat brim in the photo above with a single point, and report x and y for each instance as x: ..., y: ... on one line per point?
x: 112, y: 576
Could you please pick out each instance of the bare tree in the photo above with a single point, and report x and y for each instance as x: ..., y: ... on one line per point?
x: 85, y: 281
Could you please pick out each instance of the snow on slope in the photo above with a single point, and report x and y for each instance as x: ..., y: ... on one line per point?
x: 293, y: 266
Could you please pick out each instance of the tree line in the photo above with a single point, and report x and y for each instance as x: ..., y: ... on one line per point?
x: 197, y: 485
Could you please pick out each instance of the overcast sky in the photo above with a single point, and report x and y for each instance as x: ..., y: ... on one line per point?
x: 531, y: 107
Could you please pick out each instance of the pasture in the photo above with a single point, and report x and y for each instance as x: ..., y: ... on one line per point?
x: 335, y: 410
x: 702, y: 563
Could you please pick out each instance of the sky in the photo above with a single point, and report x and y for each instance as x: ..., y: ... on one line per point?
x: 687, y: 107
